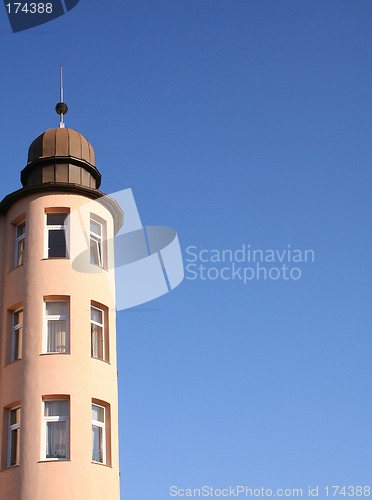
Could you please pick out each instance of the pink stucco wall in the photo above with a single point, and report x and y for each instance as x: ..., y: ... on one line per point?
x: 76, y: 375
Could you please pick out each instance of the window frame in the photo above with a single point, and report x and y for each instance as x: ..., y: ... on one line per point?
x: 98, y: 239
x: 103, y: 426
x: 11, y: 428
x: 103, y: 326
x: 18, y: 239
x: 57, y: 227
x: 16, y: 328
x: 51, y: 419
x: 56, y: 317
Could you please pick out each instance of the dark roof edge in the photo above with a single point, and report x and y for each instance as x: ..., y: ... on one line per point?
x: 67, y: 188
x: 61, y: 159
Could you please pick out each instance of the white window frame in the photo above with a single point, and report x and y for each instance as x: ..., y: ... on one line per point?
x: 11, y: 428
x: 59, y: 418
x: 101, y: 425
x: 56, y: 317
x: 65, y: 227
x: 17, y: 240
x: 99, y: 241
x: 15, y: 328
x: 103, y: 331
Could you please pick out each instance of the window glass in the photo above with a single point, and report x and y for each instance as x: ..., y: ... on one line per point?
x: 56, y: 422
x: 17, y: 333
x: 57, y: 234
x: 95, y: 227
x: 57, y: 219
x: 57, y: 328
x: 98, y: 413
x: 98, y: 434
x: 15, y: 416
x: 97, y: 315
x: 14, y: 432
x: 97, y: 333
x: 18, y: 317
x: 20, y: 244
x: 21, y: 229
x: 57, y: 308
x: 56, y: 243
x: 96, y: 256
x: 56, y: 408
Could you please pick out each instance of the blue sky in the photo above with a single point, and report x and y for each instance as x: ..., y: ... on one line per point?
x: 235, y: 122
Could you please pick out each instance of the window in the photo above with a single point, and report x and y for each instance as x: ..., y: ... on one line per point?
x: 97, y: 333
x: 96, y: 243
x: 57, y: 337
x: 56, y: 429
x: 20, y: 244
x: 98, y: 434
x: 13, y: 440
x: 56, y: 235
x: 17, y: 330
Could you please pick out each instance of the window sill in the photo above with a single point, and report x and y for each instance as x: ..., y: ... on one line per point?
x: 97, y: 265
x: 12, y: 362
x: 56, y: 258
x: 16, y: 267
x: 103, y: 361
x: 103, y: 465
x: 10, y: 467
x: 48, y: 460
x: 54, y: 354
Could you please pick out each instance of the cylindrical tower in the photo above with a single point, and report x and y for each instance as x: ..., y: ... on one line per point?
x: 58, y: 375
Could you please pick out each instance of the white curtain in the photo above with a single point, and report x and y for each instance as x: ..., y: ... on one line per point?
x: 56, y: 440
x: 94, y: 330
x: 57, y: 313
x: 98, y: 413
x: 57, y: 408
x: 57, y: 335
x: 56, y: 432
x: 97, y: 341
x: 97, y: 455
x: 57, y: 308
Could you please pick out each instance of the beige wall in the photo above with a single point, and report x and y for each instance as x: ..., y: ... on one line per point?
x: 76, y: 375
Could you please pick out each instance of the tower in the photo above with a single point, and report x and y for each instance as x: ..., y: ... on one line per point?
x: 58, y: 376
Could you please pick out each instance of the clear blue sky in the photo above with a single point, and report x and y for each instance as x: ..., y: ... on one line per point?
x: 235, y: 122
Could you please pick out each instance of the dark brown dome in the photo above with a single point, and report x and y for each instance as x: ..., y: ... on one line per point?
x: 61, y: 155
x: 61, y: 142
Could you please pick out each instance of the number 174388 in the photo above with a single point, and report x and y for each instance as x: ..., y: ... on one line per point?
x: 29, y: 8
x: 348, y: 491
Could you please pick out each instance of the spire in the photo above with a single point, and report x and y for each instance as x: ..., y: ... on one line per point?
x: 61, y: 107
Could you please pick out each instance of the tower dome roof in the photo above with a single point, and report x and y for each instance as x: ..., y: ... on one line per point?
x: 61, y: 142
x: 61, y: 155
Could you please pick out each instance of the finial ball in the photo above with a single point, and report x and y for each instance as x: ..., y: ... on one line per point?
x: 61, y: 108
